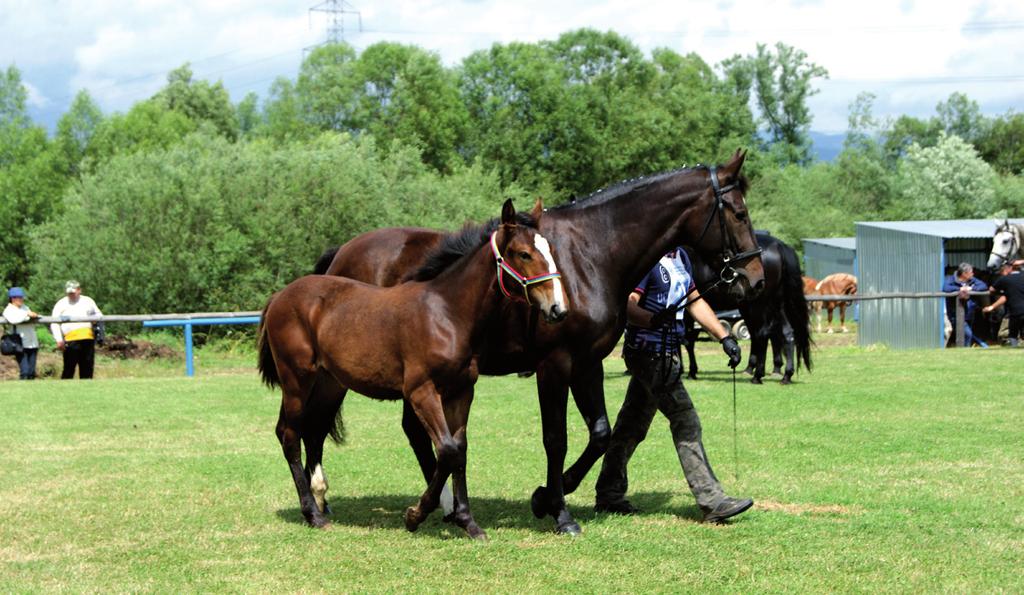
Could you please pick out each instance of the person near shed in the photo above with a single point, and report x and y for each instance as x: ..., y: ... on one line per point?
x: 77, y: 340
x: 22, y: 318
x: 964, y: 282
x: 654, y: 333
x: 1010, y: 288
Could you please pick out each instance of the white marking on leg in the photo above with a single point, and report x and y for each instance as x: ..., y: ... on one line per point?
x: 447, y: 500
x: 318, y: 484
x: 545, y: 249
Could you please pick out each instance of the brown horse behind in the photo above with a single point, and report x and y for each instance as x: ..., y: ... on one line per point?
x: 834, y: 284
x: 418, y: 341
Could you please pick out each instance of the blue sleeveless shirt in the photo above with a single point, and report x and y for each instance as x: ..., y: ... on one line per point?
x: 669, y: 282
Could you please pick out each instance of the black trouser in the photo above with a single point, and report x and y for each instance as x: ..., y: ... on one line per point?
x: 1016, y: 326
x: 79, y: 353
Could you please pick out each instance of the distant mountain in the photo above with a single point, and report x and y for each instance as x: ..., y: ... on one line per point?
x: 826, y: 147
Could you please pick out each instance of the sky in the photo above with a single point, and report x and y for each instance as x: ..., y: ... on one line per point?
x: 910, y: 54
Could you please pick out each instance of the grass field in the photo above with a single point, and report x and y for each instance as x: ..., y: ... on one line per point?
x: 881, y: 471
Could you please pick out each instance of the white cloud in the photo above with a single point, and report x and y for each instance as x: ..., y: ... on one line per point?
x: 35, y: 96
x: 122, y: 51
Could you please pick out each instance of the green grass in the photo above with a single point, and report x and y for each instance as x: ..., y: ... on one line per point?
x: 881, y: 471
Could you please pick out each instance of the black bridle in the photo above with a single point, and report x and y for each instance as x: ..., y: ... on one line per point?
x: 730, y: 252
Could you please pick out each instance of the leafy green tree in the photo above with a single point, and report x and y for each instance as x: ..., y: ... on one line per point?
x: 30, y: 178
x: 863, y: 177
x: 906, y: 131
x: 781, y: 82
x: 1002, y: 144
x: 947, y: 181
x: 199, y: 101
x: 75, y: 132
x: 207, y: 224
x: 961, y: 116
x: 148, y: 125
x: 283, y: 117
x: 247, y: 112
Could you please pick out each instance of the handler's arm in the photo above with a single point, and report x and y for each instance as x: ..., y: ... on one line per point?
x: 702, y: 313
x: 636, y: 315
x: 995, y: 304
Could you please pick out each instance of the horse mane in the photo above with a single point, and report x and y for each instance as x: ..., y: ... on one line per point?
x: 631, y: 185
x: 457, y: 244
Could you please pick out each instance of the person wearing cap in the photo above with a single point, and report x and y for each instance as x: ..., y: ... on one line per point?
x: 22, y: 319
x: 76, y: 340
x: 1010, y: 289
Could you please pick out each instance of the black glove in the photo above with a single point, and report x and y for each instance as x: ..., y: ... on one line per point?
x: 732, y: 349
x: 664, y: 317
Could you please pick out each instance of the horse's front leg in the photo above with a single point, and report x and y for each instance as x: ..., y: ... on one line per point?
x: 457, y: 412
x: 588, y: 392
x: 553, y: 392
x: 842, y: 317
x: 425, y: 402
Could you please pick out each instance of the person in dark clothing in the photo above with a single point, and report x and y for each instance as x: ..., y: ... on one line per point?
x: 654, y: 333
x: 964, y: 282
x: 1010, y: 288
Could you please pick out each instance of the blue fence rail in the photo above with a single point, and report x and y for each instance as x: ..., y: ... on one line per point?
x: 167, y: 320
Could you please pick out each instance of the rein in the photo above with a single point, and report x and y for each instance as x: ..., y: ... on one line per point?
x: 524, y: 281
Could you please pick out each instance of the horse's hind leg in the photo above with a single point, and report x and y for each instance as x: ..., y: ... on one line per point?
x: 426, y: 403
x: 457, y: 414
x: 289, y: 433
x: 842, y: 317
x: 319, y: 420
x: 423, y: 448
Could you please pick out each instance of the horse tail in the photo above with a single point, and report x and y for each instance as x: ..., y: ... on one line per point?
x: 266, y: 364
x: 795, y: 304
x: 324, y: 262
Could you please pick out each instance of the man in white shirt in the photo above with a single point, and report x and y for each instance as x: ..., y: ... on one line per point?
x: 76, y: 339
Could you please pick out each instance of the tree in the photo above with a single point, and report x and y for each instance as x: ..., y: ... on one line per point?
x: 199, y: 101
x: 947, y: 181
x: 961, y: 116
x: 781, y: 83
x: 247, y: 112
x: 283, y: 117
x: 1002, y: 144
x: 75, y: 132
x: 30, y: 179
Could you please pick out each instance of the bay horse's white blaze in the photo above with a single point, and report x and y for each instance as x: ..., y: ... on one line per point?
x: 542, y: 245
x: 1007, y: 244
x: 318, y: 485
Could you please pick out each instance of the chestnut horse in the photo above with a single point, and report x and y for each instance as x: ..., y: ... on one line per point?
x: 834, y: 284
x: 416, y: 341
x: 606, y: 243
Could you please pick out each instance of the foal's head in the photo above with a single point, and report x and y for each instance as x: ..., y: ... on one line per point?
x: 526, y: 264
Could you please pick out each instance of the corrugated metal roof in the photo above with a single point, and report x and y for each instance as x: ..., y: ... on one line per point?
x: 953, y: 228
x: 844, y: 243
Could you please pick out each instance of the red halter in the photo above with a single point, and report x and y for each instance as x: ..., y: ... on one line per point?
x: 524, y: 282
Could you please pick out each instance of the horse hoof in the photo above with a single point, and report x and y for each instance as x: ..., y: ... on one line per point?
x: 413, y: 518
x: 692, y: 375
x: 755, y: 380
x: 786, y: 380
x: 319, y: 522
x: 537, y: 502
x: 476, y: 533
x: 568, y: 528
x: 829, y: 331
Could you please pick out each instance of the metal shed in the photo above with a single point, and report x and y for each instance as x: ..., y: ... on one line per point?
x: 825, y: 256
x: 913, y: 256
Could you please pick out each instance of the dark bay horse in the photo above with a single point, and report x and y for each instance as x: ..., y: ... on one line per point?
x: 606, y: 243
x: 778, y: 315
x: 416, y: 341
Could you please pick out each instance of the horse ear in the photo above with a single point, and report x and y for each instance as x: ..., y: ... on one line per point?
x: 735, y: 163
x: 537, y: 210
x: 508, y: 213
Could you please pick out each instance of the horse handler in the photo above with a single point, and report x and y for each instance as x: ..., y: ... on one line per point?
x: 654, y: 333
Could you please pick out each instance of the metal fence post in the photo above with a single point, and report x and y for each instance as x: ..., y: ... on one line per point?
x: 960, y: 323
x: 190, y: 368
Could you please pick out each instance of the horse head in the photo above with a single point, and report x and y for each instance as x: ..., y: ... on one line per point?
x: 738, y: 253
x: 1006, y: 244
x: 526, y: 259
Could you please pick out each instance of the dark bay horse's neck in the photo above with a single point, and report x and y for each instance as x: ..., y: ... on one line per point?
x: 623, y: 237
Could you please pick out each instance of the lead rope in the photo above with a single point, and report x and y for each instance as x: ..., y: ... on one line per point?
x: 735, y: 442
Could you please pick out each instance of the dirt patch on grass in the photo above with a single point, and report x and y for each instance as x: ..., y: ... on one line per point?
x: 121, y: 347
x: 793, y: 508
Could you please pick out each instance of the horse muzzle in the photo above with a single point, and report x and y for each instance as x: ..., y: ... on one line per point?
x: 556, y: 313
